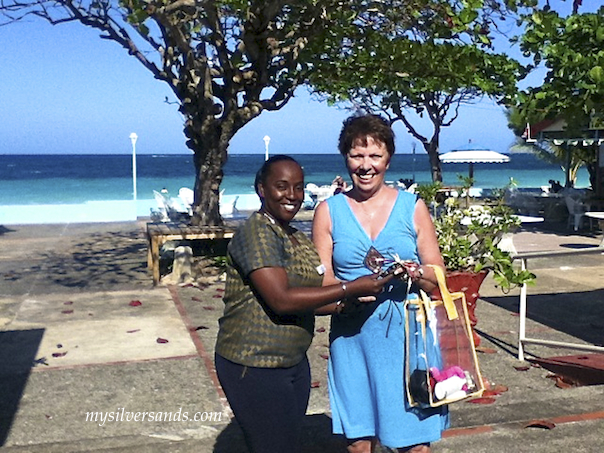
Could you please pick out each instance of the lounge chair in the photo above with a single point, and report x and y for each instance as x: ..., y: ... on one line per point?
x: 168, y: 208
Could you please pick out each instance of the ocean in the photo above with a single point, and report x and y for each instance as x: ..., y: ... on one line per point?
x: 81, y: 188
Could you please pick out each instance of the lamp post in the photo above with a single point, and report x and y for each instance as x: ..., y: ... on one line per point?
x: 133, y: 138
x: 267, y: 140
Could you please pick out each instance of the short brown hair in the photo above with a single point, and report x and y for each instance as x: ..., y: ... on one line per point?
x: 359, y: 127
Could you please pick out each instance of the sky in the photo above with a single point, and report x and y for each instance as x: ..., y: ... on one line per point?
x: 63, y: 90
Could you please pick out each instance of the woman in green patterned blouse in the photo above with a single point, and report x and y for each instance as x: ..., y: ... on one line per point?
x: 273, y: 288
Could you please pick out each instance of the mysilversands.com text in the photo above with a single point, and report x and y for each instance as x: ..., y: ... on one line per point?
x: 122, y: 415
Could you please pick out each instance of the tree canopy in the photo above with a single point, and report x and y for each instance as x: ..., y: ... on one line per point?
x: 225, y: 61
x: 572, y: 51
x: 425, y: 64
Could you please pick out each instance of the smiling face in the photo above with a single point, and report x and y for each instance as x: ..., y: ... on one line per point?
x: 282, y: 190
x: 367, y: 162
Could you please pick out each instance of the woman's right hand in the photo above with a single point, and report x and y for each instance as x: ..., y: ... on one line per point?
x: 367, y: 285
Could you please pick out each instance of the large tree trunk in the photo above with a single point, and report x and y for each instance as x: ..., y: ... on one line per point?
x: 209, y: 141
x: 431, y: 148
x: 208, y: 176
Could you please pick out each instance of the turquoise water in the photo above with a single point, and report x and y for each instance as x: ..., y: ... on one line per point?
x: 37, y: 188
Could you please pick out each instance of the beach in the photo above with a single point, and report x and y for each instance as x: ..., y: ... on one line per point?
x: 83, y: 330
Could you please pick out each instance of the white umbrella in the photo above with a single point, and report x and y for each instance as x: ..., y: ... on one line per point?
x: 473, y: 154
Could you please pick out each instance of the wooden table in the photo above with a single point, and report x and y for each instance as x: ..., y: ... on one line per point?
x: 158, y: 233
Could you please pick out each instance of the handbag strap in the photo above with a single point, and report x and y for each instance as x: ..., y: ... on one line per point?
x: 444, y: 292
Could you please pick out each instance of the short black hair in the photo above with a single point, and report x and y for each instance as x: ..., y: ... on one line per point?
x: 359, y: 127
x: 265, y: 170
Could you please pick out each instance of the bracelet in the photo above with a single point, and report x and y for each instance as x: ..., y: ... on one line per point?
x: 344, y: 288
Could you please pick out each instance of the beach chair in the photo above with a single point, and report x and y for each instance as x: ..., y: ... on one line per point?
x: 187, y: 197
x: 168, y: 209
x: 228, y: 206
x: 576, y: 212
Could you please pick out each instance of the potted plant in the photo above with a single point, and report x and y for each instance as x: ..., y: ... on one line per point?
x: 470, y: 242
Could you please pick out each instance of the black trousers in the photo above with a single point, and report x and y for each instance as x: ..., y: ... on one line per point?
x: 269, y: 403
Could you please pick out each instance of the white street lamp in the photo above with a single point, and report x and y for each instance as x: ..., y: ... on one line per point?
x: 267, y: 140
x: 133, y: 138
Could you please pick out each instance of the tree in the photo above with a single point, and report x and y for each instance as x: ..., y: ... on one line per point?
x: 572, y: 50
x: 425, y: 64
x: 225, y: 60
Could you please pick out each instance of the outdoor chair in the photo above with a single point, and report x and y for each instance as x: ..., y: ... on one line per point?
x: 186, y: 196
x: 576, y: 212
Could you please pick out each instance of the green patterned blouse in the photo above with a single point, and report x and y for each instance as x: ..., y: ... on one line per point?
x: 250, y: 332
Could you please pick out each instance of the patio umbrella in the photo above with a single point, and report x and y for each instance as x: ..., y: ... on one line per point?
x: 473, y: 154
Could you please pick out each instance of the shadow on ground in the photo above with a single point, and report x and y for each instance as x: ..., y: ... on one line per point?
x: 316, y: 437
x: 18, y: 351
x: 93, y: 262
x: 579, y: 314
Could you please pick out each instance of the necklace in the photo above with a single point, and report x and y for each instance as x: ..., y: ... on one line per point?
x: 270, y: 218
x: 289, y: 231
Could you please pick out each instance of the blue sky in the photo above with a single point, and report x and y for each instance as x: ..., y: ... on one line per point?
x: 63, y: 90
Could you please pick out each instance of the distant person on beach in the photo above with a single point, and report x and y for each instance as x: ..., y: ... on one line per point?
x: 555, y: 186
x: 340, y: 185
x: 353, y: 231
x: 273, y: 287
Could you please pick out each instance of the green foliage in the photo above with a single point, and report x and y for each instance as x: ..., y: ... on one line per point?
x: 427, y: 192
x: 416, y: 62
x: 469, y: 241
x: 572, y: 50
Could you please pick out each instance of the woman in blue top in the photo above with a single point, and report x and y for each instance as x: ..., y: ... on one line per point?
x: 373, y: 223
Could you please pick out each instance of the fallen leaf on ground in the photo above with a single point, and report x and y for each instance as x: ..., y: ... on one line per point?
x: 220, y: 290
x: 135, y: 303
x: 324, y: 356
x: 522, y: 367
x: 196, y: 299
x: 199, y: 328
x: 132, y: 331
x: 162, y: 340
x: 217, y: 296
x: 67, y: 312
x: 494, y: 391
x: 321, y: 329
x: 487, y: 400
x: 69, y: 302
x: 59, y: 346
x: 544, y: 424
x: 59, y: 354
x: 207, y: 307
x: 315, y: 384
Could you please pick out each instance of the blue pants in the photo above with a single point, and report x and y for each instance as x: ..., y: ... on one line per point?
x: 269, y: 403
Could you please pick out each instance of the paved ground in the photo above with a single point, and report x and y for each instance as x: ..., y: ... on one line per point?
x: 82, y: 330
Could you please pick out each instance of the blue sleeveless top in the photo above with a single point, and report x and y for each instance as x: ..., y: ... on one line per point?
x: 366, y: 365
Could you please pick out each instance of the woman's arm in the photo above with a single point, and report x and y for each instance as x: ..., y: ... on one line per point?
x: 427, y: 246
x: 272, y: 285
x: 321, y: 236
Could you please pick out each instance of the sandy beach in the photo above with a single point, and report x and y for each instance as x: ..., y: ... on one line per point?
x: 82, y: 329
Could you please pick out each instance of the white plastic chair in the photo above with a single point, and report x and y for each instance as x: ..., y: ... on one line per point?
x: 187, y: 197
x: 576, y: 212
